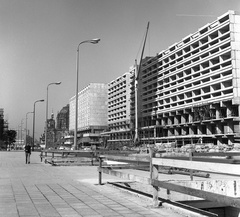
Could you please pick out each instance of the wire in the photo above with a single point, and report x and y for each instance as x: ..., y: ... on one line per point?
x: 194, y: 15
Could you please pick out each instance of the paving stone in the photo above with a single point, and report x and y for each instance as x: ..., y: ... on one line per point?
x: 40, y: 190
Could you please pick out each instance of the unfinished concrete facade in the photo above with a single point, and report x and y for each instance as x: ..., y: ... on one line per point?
x: 119, y: 110
x: 191, y: 91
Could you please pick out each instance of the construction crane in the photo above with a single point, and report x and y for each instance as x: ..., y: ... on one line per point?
x: 137, y: 72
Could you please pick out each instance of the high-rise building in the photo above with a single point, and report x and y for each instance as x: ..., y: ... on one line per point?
x: 119, y: 132
x: 191, y: 91
x: 92, y: 113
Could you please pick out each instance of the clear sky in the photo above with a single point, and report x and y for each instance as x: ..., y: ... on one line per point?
x: 39, y: 39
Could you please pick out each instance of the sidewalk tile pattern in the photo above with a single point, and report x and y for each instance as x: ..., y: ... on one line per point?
x: 41, y: 190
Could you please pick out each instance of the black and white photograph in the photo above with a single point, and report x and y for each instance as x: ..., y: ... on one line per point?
x: 119, y: 108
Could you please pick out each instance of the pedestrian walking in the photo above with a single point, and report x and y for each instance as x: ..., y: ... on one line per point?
x: 28, y: 153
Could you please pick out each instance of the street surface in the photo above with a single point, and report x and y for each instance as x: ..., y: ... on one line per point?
x: 42, y: 190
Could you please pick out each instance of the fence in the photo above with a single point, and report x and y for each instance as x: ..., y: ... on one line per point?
x: 219, y: 163
x: 76, y: 157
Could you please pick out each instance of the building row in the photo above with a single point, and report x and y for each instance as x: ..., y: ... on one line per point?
x: 188, y: 93
x: 3, y: 127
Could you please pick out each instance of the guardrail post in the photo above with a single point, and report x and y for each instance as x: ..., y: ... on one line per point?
x: 100, y: 172
x: 190, y: 158
x: 92, y: 154
x: 45, y: 157
x: 41, y: 155
x: 154, y: 175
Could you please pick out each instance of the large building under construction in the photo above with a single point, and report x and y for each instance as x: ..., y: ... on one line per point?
x: 190, y: 92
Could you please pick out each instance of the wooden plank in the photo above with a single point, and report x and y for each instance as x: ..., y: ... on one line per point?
x: 114, y: 152
x: 202, y: 204
x: 83, y: 154
x: 127, y: 158
x: 190, y: 159
x: 228, y: 201
x: 125, y: 167
x: 195, y: 173
x: 69, y: 164
x: 203, y: 159
x: 113, y: 162
x: 100, y: 172
x: 67, y: 151
x: 232, y: 169
x: 154, y: 175
x: 202, y: 154
x: 216, y: 154
x: 72, y: 159
x: 123, y: 175
x: 173, y: 155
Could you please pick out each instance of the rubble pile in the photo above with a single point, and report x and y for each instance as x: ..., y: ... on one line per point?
x: 200, y: 147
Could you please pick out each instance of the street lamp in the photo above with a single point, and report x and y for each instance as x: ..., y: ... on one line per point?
x: 56, y: 83
x: 21, y: 131
x: 93, y: 41
x: 26, y: 128
x: 18, y: 134
x: 41, y: 100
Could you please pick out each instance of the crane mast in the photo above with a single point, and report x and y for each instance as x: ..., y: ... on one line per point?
x: 137, y: 72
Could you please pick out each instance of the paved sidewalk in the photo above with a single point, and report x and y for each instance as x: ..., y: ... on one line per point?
x: 41, y: 190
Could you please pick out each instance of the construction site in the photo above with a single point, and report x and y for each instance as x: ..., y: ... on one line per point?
x: 189, y: 93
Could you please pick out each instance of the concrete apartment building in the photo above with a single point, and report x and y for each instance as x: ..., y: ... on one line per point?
x: 92, y: 113
x: 190, y: 92
x: 119, y: 130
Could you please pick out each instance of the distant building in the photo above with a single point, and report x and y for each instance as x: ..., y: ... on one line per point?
x: 1, y: 123
x: 3, y: 127
x: 92, y: 113
x: 63, y: 119
x: 57, y: 130
x: 68, y: 141
x: 62, y: 128
x: 51, y: 132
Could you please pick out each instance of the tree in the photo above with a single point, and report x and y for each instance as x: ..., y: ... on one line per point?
x: 9, y: 137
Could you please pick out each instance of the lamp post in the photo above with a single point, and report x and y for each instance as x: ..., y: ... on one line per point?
x: 41, y: 100
x: 18, y: 134
x: 56, y: 83
x: 26, y: 128
x: 21, y: 131
x: 93, y: 41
